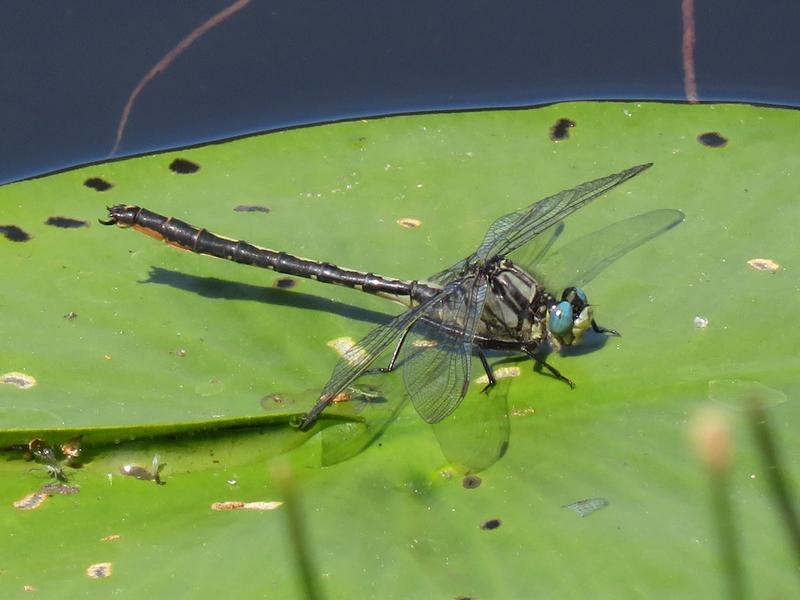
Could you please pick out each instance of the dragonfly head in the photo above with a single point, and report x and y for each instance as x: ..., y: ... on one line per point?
x: 569, y: 319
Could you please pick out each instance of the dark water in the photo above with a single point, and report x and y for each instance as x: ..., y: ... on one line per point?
x: 68, y: 67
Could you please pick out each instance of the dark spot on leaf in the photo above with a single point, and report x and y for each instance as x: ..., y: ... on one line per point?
x: 470, y: 482
x: 98, y: 184
x: 712, y: 139
x: 560, y: 131
x: 284, y: 283
x: 66, y: 222
x: 14, y: 233
x: 491, y: 524
x: 251, y: 208
x: 71, y: 316
x: 183, y: 166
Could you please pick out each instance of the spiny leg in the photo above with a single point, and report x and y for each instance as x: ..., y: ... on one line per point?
x: 598, y: 329
x: 393, y: 361
x: 540, y: 362
x: 488, y: 370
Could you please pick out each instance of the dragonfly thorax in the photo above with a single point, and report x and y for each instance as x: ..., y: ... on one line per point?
x: 516, y: 305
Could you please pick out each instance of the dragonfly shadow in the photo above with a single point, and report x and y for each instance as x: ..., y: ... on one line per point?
x: 223, y: 289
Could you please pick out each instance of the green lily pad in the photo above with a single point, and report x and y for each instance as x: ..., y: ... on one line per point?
x: 145, y: 350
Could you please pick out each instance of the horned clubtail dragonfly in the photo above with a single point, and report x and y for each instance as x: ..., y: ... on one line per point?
x: 494, y: 299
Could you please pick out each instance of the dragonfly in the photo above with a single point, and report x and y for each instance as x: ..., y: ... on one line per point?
x: 495, y: 299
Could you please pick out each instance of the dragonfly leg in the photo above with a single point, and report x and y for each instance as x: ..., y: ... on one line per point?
x: 395, y: 354
x: 540, y: 362
x: 598, y: 329
x: 488, y: 370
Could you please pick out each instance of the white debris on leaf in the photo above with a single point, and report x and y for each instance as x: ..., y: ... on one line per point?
x: 500, y: 373
x: 764, y: 264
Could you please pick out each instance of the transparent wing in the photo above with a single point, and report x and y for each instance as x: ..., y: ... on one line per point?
x: 515, y: 229
x: 477, y: 435
x: 360, y: 357
x: 512, y: 231
x: 437, y: 354
x: 581, y: 260
x: 535, y: 249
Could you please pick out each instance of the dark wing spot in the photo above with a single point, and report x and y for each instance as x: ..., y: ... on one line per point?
x: 284, y: 283
x: 560, y: 131
x: 712, y: 139
x: 14, y: 233
x: 66, y: 222
x: 98, y: 184
x: 470, y: 482
x: 251, y: 208
x: 491, y: 524
x: 183, y: 166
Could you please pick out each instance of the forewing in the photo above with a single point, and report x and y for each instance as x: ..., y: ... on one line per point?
x: 437, y: 353
x: 513, y: 230
x: 581, y: 260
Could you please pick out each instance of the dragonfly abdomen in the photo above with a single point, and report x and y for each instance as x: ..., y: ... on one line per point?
x: 182, y: 235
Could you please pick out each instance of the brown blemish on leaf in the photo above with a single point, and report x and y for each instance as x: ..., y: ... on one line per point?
x: 560, y: 130
x: 110, y: 538
x: 408, y: 222
x: 98, y: 184
x: 99, y: 570
x: 14, y: 234
x: 21, y: 380
x: 182, y: 166
x: 65, y: 222
x: 712, y: 139
x: 237, y: 505
x: 764, y: 264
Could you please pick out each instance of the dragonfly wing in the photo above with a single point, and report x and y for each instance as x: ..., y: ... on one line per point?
x: 437, y: 353
x: 477, y: 435
x: 357, y: 359
x: 516, y: 229
x: 581, y: 260
x: 513, y: 230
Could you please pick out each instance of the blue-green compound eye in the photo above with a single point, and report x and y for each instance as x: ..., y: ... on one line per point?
x: 560, y: 320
